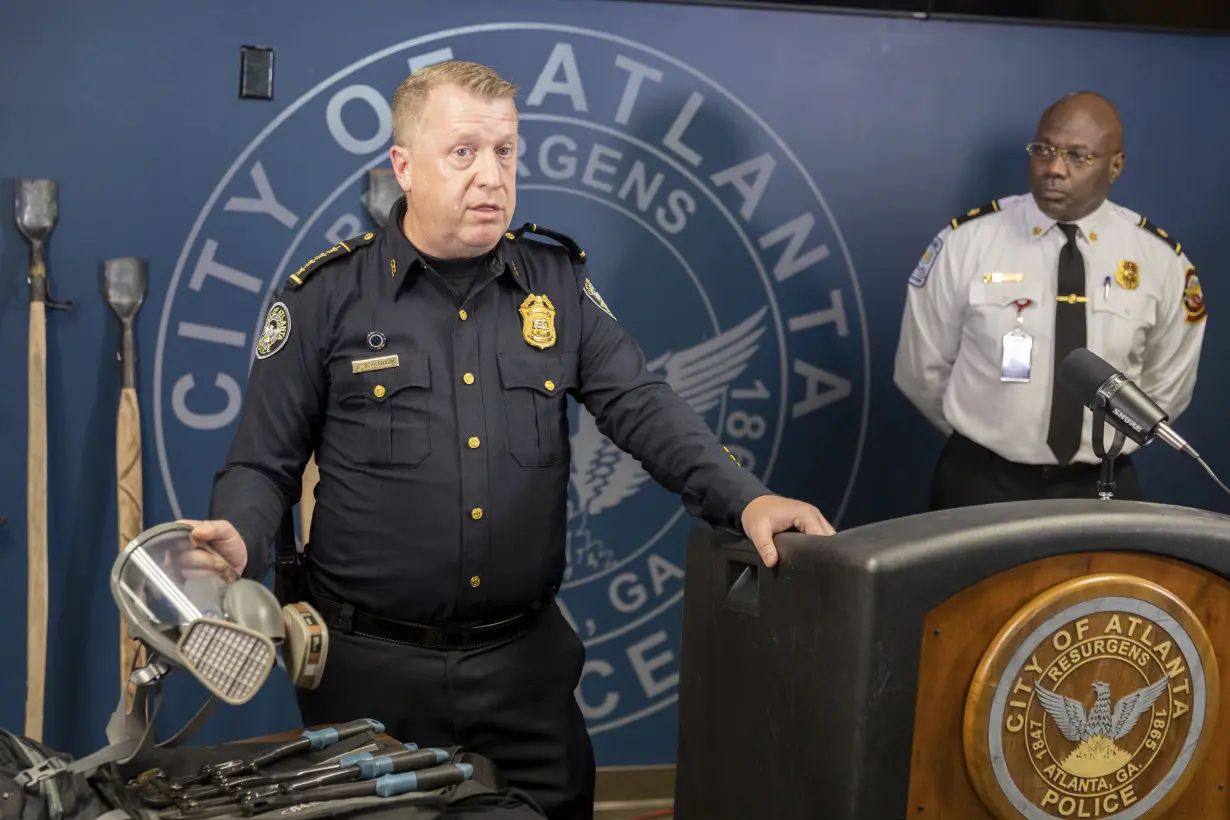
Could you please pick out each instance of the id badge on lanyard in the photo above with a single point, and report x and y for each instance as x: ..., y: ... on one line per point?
x: 1017, y: 349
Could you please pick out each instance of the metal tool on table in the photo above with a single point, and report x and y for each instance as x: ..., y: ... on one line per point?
x: 389, y: 785
x: 308, y: 740
x: 229, y: 787
x: 124, y: 285
x: 36, y: 211
x: 367, y: 769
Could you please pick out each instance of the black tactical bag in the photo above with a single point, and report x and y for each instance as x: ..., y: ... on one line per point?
x: 67, y: 796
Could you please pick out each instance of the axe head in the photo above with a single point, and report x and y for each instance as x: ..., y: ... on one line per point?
x: 36, y: 207
x: 124, y: 285
x: 382, y: 191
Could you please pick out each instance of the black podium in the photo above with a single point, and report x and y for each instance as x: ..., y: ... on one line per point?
x: 1031, y: 660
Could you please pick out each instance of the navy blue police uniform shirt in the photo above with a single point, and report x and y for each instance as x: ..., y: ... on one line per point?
x: 440, y: 426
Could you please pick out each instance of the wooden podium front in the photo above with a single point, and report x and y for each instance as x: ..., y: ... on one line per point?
x: 1039, y: 660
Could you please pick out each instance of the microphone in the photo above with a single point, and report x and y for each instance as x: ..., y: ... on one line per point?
x: 1098, y: 385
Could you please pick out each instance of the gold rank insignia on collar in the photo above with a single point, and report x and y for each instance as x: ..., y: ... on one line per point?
x: 296, y: 279
x: 538, y: 321
x: 1128, y: 275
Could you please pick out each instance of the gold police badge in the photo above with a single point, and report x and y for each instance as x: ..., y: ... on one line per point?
x: 538, y: 321
x: 1128, y: 275
x: 275, y: 332
x: 1093, y: 701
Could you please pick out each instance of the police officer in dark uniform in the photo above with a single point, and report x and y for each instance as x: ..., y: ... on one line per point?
x: 428, y: 367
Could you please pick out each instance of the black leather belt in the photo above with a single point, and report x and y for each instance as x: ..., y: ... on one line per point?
x: 342, y: 617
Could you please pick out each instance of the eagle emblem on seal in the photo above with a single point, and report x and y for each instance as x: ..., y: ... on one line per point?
x: 1097, y: 730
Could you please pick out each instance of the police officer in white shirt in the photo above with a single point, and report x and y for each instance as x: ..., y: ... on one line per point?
x: 1004, y: 293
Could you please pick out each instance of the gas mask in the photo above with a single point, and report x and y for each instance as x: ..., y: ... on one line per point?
x: 191, y: 615
x: 222, y: 629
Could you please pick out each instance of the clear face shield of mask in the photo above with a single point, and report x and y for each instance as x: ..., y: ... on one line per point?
x: 192, y: 611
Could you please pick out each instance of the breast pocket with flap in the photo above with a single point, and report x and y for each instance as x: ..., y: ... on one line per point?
x: 993, y: 307
x: 535, y: 404
x: 1121, y: 321
x: 385, y: 419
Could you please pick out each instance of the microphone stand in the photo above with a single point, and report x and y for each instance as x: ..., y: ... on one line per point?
x: 1106, y: 484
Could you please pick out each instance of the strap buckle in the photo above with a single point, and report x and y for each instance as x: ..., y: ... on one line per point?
x: 39, y: 772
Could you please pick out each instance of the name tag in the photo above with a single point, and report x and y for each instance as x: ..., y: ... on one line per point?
x: 997, y: 278
x: 378, y: 363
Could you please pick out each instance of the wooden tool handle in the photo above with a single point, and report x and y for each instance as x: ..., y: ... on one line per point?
x: 307, y: 498
x: 129, y: 507
x: 36, y: 523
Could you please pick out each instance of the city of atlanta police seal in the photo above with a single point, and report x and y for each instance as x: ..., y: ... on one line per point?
x: 703, y: 233
x: 1093, y: 701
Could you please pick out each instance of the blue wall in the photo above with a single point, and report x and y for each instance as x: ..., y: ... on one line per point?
x: 877, y: 131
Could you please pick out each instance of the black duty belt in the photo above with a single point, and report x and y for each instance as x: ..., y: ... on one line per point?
x: 343, y: 617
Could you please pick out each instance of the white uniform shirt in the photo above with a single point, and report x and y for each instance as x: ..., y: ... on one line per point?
x: 949, y: 357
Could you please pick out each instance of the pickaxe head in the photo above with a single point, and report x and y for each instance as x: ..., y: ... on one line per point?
x: 36, y: 208
x: 124, y: 282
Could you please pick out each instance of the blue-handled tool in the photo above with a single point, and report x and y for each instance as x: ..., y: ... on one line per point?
x: 317, y: 739
x: 388, y: 785
x: 370, y: 768
x: 309, y: 740
x: 233, y: 788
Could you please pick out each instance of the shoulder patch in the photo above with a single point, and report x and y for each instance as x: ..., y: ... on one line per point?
x: 276, y: 331
x: 596, y: 298
x: 296, y: 279
x: 1160, y: 234
x: 574, y: 250
x: 982, y: 210
x: 1193, y: 298
x: 923, y: 271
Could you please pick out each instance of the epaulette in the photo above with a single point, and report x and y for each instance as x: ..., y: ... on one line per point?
x: 567, y: 241
x: 296, y: 279
x: 990, y: 208
x: 1160, y: 234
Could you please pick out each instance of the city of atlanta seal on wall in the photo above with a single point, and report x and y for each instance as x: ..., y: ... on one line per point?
x: 1093, y: 701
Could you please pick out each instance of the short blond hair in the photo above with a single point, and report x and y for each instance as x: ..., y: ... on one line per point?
x: 411, y: 95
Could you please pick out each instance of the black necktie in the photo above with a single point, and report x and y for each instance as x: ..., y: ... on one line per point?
x: 1067, y: 413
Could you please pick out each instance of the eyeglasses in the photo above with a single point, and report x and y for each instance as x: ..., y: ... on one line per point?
x: 1046, y: 153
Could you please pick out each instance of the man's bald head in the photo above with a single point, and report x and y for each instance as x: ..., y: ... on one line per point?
x: 1087, y: 127
x: 1091, y: 107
